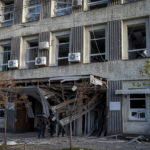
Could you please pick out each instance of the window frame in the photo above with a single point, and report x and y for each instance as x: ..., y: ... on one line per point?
x: 7, y: 43
x: 54, y: 48
x: 87, y: 4
x: 125, y: 45
x: 4, y: 113
x: 27, y: 12
x: 55, y: 10
x: 4, y: 12
x: 28, y: 49
x: 66, y: 43
x: 96, y: 39
x: 130, y: 117
x: 87, y: 42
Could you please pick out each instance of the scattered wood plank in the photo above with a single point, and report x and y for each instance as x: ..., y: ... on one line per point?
x: 135, y: 139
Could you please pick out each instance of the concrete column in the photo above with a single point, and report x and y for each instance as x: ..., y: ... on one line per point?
x: 53, y: 3
x: 79, y: 126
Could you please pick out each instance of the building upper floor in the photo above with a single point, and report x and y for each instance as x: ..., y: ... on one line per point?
x: 23, y: 11
x: 97, y: 43
x: 118, y: 31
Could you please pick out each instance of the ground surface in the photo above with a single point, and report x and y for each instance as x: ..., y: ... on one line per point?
x: 57, y: 143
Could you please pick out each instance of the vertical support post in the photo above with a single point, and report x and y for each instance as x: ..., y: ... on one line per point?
x: 6, y: 113
x: 70, y: 132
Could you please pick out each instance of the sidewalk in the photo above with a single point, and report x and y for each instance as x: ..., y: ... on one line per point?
x: 57, y: 143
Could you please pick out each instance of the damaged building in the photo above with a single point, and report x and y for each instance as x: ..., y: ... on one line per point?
x: 80, y: 58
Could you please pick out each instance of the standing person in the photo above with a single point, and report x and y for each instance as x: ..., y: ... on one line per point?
x: 60, y: 127
x: 52, y: 125
x: 42, y: 125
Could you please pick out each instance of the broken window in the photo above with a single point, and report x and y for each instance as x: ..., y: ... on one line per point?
x: 137, y: 41
x: 129, y: 1
x: 63, y: 50
x: 97, y: 42
x: 137, y: 107
x: 33, y: 10
x: 5, y: 55
x: 93, y: 4
x: 7, y: 13
x: 63, y: 7
x: 2, y: 113
x: 32, y: 53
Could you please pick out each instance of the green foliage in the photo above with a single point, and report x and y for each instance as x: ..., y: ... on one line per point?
x: 76, y: 148
x: 145, y: 73
x: 3, y: 147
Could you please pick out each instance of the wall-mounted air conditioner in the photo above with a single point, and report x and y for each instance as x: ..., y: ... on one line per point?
x: 44, y: 45
x: 12, y: 63
x: 39, y: 61
x: 76, y: 3
x: 74, y: 57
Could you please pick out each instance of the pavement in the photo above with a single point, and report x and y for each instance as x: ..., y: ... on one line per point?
x: 29, y: 141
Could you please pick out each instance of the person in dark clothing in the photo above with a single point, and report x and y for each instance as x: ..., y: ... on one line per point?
x: 42, y: 125
x: 61, y: 130
x: 52, y: 125
x: 60, y: 127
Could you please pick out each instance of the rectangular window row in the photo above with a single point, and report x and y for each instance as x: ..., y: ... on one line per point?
x: 31, y: 9
x: 58, y: 50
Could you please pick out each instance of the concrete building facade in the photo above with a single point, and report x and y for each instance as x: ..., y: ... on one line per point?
x: 109, y: 39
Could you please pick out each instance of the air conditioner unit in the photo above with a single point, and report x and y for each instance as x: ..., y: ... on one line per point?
x: 76, y: 3
x: 74, y: 57
x: 40, y: 61
x: 44, y: 45
x: 12, y: 63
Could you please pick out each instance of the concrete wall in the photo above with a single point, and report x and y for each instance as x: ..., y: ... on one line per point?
x: 112, y: 70
x: 97, y: 16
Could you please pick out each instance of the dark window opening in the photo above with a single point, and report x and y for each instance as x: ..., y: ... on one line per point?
x: 6, y: 56
x: 93, y: 4
x: 137, y: 41
x: 2, y: 113
x: 137, y: 107
x: 33, y: 10
x: 63, y: 50
x: 129, y: 1
x: 8, y: 13
x: 137, y: 96
x: 97, y: 42
x: 32, y: 54
x: 33, y: 2
x: 137, y: 104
